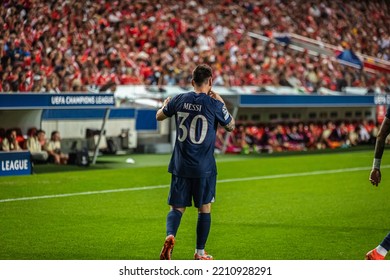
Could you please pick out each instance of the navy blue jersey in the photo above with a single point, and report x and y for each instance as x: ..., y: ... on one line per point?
x: 197, y: 117
x: 388, y: 112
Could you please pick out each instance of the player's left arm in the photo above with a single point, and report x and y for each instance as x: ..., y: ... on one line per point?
x: 160, y: 116
x: 231, y: 125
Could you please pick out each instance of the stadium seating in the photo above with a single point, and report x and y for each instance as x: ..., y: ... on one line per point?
x: 279, y: 137
x: 68, y: 46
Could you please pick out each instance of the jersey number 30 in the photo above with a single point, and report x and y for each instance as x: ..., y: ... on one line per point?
x: 194, y: 123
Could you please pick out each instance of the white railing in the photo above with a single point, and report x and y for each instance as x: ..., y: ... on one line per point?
x: 320, y: 44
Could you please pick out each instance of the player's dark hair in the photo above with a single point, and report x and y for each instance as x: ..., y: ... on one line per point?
x: 201, y: 74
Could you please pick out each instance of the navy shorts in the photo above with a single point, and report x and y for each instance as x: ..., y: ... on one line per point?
x: 183, y: 190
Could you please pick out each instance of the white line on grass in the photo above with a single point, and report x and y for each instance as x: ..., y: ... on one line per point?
x: 276, y: 176
x: 82, y: 193
x: 287, y: 175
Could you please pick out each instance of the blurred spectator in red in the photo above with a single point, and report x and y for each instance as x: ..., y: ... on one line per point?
x: 295, y: 139
x: 338, y: 137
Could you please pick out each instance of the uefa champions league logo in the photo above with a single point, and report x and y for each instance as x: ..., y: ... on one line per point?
x: 381, y: 99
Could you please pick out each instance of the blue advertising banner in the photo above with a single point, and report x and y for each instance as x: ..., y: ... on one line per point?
x: 74, y: 114
x: 146, y: 119
x: 15, y: 163
x: 51, y: 101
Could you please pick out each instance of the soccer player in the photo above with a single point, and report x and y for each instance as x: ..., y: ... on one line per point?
x: 197, y: 115
x: 380, y: 252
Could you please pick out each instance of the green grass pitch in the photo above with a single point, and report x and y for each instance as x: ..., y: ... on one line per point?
x: 276, y: 208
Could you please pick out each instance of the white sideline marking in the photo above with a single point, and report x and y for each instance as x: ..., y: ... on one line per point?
x: 320, y: 172
x: 83, y: 193
x: 276, y: 176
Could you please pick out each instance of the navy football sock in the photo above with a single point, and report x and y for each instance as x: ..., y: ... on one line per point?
x: 386, y: 242
x: 202, y: 229
x: 173, y: 221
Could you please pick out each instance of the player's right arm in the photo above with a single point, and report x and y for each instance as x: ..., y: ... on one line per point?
x: 231, y: 125
x: 384, y: 131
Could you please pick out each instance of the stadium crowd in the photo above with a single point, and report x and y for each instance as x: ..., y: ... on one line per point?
x: 69, y: 45
x: 297, y: 136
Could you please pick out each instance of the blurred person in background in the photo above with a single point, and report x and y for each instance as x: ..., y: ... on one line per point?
x: 53, y: 148
x: 380, y: 252
x: 33, y: 144
x: 10, y: 142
